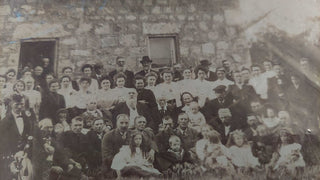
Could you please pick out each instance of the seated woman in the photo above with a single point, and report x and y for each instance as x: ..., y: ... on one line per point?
x: 106, y: 99
x: 120, y: 91
x: 186, y: 99
x: 134, y: 159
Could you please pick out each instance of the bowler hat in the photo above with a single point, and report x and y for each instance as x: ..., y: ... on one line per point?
x: 205, y: 62
x: 145, y: 59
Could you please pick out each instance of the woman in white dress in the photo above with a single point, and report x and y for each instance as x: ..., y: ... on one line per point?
x: 203, y: 88
x: 106, y: 99
x: 119, y: 92
x: 151, y: 79
x: 33, y: 95
x: 135, y: 159
x: 187, y: 83
x: 66, y: 90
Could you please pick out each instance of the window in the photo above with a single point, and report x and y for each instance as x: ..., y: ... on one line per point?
x: 162, y: 49
x: 33, y: 50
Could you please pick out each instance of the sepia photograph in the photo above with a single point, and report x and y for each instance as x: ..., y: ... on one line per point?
x: 159, y: 89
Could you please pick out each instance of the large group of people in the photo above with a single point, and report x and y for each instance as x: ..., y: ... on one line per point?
x: 168, y: 122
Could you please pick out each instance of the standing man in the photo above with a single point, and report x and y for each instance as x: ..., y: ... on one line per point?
x: 113, y: 141
x: 15, y: 128
x: 121, y: 67
x: 146, y: 64
x: 211, y: 76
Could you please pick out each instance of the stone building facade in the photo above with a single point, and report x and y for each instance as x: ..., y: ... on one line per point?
x: 92, y: 30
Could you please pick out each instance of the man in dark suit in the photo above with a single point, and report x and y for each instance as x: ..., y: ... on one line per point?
x: 94, y: 137
x: 51, y: 102
x: 133, y: 108
x: 121, y: 62
x: 211, y: 76
x: 188, y: 136
x: 146, y: 64
x: 277, y: 87
x: 145, y: 96
x: 223, y: 100
x: 98, y: 72
x: 225, y: 124
x: 113, y: 141
x: 74, y: 145
x: 242, y: 94
x: 16, y: 131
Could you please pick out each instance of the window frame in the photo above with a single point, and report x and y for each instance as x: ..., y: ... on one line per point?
x: 175, y: 37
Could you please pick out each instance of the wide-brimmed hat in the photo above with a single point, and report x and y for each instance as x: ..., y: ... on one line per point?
x: 145, y: 59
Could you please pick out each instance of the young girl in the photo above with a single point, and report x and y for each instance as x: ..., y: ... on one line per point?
x: 241, y: 153
x: 288, y: 160
x: 217, y: 161
x: 271, y: 120
x: 197, y: 120
x: 135, y: 159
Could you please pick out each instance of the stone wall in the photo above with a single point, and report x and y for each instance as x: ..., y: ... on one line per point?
x: 90, y: 30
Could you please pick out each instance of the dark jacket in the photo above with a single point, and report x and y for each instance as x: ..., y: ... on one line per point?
x: 142, y: 109
x: 111, y: 144
x: 50, y: 104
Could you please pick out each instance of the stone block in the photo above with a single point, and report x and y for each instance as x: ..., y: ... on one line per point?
x: 80, y: 53
x: 83, y: 28
x: 156, y: 10
x: 109, y: 41
x: 181, y: 17
x: 5, y: 10
x: 192, y: 8
x: 13, y: 59
x: 131, y: 17
x: 218, y: 18
x: 213, y: 35
x: 208, y: 49
x: 147, y: 2
x: 203, y: 26
x: 128, y: 40
x: 167, y: 10
x: 69, y: 41
x: 184, y: 51
x: 103, y: 29
x: 222, y: 45
x: 162, y: 2
x: 195, y: 50
x: 206, y: 17
x: 35, y: 30
x: 160, y: 28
